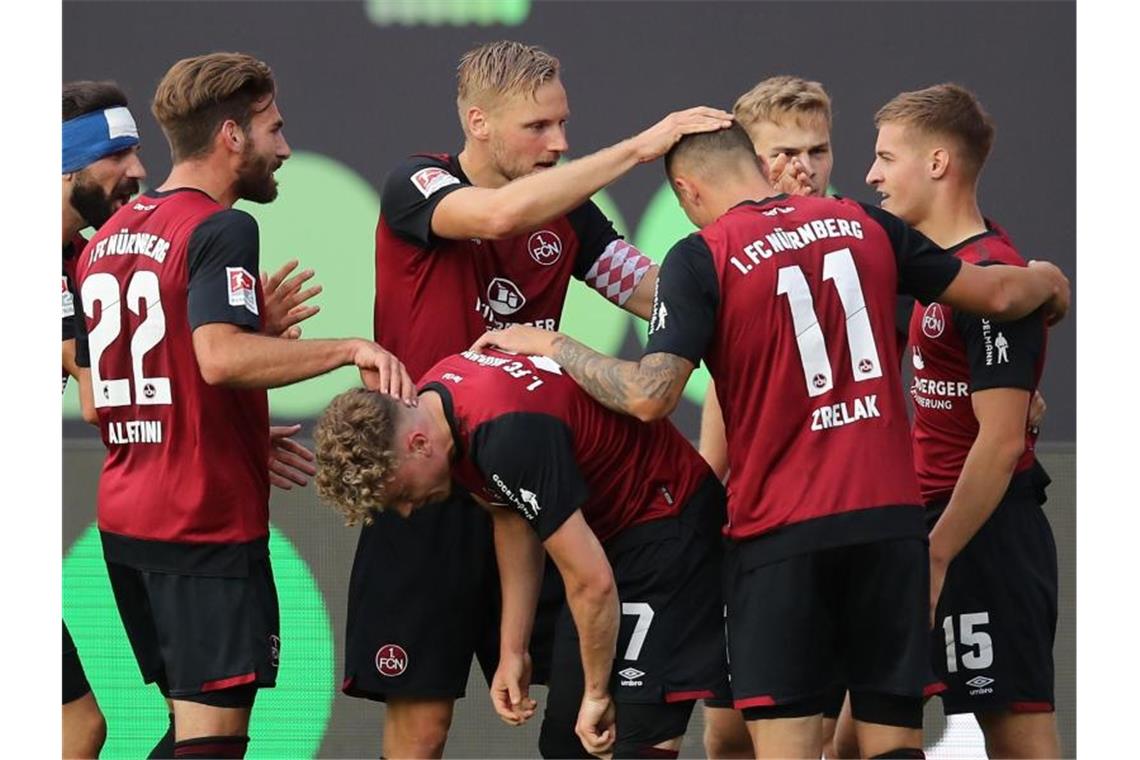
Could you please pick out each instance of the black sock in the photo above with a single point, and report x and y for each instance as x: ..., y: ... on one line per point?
x: 165, y: 747
x: 212, y: 746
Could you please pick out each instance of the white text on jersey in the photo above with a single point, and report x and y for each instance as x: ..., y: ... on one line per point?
x: 135, y: 431
x: 837, y: 415
x: 779, y: 240
x: 137, y: 243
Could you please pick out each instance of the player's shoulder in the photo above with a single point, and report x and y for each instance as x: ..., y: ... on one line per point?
x: 230, y: 221
x: 424, y: 172
x: 993, y: 246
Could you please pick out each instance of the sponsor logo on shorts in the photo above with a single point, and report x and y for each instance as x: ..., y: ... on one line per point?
x: 274, y: 650
x: 545, y: 247
x: 428, y: 180
x: 980, y: 684
x: 391, y: 660
x: 631, y: 677
x: 242, y: 288
x: 933, y: 321
x: 504, y: 297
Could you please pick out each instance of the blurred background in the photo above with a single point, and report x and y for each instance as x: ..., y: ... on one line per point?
x: 363, y: 83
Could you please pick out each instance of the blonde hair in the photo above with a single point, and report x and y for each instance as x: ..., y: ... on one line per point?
x: 780, y: 96
x: 356, y: 459
x: 501, y: 68
x: 949, y: 110
x: 199, y: 94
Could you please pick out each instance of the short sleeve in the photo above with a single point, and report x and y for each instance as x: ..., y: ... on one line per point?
x: 685, y: 302
x: 925, y: 270
x: 411, y: 192
x: 595, y: 234
x: 528, y: 458
x: 1002, y: 354
x: 222, y: 259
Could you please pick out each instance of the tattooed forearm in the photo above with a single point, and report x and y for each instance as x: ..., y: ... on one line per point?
x: 647, y: 389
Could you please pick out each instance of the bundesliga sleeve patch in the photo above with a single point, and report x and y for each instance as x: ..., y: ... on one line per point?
x: 242, y: 288
x: 618, y: 271
x: 68, y: 300
x: 431, y: 179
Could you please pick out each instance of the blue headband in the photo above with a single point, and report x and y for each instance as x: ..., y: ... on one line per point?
x: 94, y: 135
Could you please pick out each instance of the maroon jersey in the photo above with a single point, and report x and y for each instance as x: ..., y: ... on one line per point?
x: 791, y: 302
x: 435, y: 296
x: 73, y: 329
x: 956, y: 354
x: 529, y: 437
x: 186, y: 461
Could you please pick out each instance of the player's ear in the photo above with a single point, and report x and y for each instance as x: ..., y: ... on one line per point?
x: 231, y: 136
x: 477, y: 125
x: 419, y: 444
x: 939, y: 163
x: 686, y: 191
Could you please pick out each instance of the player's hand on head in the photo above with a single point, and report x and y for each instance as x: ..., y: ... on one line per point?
x: 789, y: 176
x: 289, y: 462
x: 595, y: 725
x: 381, y: 371
x: 510, y: 689
x: 658, y: 139
x: 285, y: 300
x: 1058, y: 306
x: 518, y: 339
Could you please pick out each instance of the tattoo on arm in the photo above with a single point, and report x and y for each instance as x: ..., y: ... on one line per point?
x: 619, y: 384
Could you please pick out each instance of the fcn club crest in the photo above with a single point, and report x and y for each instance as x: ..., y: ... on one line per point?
x: 545, y: 247
x: 933, y: 321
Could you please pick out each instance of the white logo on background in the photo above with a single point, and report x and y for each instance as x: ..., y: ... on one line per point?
x: 545, y: 247
x: 531, y: 500
x: 68, y: 300
x: 933, y: 321
x: 979, y: 682
x: 630, y: 673
x: 917, y: 359
x: 242, y: 288
x: 428, y: 180
x: 504, y: 297
x: 1002, y: 346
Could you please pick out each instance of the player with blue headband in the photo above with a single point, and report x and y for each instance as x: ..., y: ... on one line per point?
x: 101, y: 171
x: 101, y: 167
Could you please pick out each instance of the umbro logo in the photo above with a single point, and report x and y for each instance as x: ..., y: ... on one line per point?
x: 979, y: 682
x: 630, y: 673
x: 779, y: 210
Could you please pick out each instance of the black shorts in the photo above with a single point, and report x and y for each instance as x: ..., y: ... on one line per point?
x: 199, y: 635
x: 992, y: 643
x: 74, y: 679
x: 670, y: 646
x: 424, y: 597
x: 801, y: 628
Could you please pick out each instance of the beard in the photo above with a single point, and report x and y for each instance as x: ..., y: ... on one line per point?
x: 94, y: 204
x: 506, y: 164
x: 255, y: 180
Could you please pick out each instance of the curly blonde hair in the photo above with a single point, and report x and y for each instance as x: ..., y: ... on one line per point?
x: 356, y: 458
